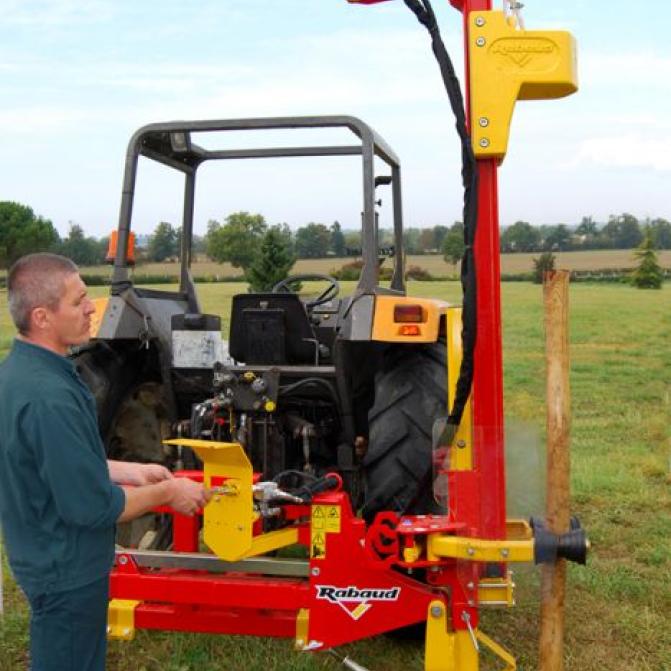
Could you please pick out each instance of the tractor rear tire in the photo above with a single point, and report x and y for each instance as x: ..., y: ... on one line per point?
x: 410, y: 394
x: 133, y: 419
x: 133, y: 416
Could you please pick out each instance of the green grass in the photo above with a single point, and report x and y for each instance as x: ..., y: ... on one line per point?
x: 619, y: 605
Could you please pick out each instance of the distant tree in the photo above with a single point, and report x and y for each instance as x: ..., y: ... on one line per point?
x: 520, y: 237
x: 587, y: 227
x: 439, y: 233
x: 338, y: 245
x: 84, y: 251
x: 237, y: 240
x: 385, y: 237
x: 312, y: 241
x: 163, y: 242
x: 426, y: 241
x: 661, y: 233
x: 103, y: 246
x: 587, y: 234
x: 274, y: 260
x: 556, y: 237
x: 623, y: 231
x: 198, y: 244
x: 21, y: 232
x: 411, y: 242
x: 353, y: 243
x: 648, y: 274
x: 545, y: 263
x: 453, y: 244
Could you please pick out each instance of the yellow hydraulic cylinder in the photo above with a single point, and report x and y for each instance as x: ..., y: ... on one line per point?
x: 507, y: 64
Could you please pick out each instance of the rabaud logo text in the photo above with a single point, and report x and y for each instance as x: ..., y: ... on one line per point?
x: 351, y: 593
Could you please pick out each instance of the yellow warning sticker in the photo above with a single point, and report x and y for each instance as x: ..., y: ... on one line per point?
x: 326, y: 518
x: 317, y: 545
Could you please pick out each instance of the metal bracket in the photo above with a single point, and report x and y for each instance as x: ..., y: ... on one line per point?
x: 447, y: 650
x: 478, y: 549
x: 121, y: 619
x: 302, y: 628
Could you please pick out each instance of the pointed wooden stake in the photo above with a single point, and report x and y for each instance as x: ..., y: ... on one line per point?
x: 553, y: 579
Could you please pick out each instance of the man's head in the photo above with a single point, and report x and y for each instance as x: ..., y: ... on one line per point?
x: 48, y: 301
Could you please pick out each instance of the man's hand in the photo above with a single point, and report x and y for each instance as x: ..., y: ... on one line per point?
x: 152, y: 473
x: 187, y: 496
x: 182, y: 494
x: 130, y: 473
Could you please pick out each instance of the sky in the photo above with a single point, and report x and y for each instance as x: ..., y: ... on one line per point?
x: 78, y: 77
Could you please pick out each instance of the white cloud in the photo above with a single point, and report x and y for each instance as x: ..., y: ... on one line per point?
x: 35, y: 119
x: 55, y: 13
x: 627, y: 151
x: 625, y: 69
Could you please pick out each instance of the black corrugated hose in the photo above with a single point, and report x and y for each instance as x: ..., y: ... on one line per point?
x: 469, y: 176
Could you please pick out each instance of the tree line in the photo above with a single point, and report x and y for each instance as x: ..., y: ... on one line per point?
x: 238, y: 237
x: 233, y: 239
x: 23, y: 232
x: 622, y: 231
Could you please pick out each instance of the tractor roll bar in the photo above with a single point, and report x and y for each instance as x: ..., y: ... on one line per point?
x: 171, y: 144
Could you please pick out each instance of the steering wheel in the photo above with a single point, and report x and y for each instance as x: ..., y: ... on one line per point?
x: 331, y: 291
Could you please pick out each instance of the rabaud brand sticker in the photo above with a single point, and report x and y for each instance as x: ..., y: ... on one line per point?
x: 355, y: 601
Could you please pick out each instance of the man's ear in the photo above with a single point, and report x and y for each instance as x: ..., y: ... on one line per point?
x: 39, y: 318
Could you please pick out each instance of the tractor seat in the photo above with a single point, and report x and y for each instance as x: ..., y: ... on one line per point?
x: 268, y: 329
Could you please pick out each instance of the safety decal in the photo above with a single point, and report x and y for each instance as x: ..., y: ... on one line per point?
x: 317, y: 545
x: 325, y: 520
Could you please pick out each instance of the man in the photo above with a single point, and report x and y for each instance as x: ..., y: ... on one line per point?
x: 59, y: 497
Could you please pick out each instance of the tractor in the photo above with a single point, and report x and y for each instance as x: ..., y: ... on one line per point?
x: 345, y: 383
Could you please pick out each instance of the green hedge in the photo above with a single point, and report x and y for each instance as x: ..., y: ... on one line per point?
x: 606, y: 276
x: 106, y: 280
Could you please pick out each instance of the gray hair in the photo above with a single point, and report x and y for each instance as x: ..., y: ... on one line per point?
x: 36, y: 280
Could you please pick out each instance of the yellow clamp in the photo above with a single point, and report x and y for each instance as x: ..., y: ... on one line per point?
x: 229, y: 516
x: 506, y: 65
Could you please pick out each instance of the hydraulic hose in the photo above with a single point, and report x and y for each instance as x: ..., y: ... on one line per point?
x: 469, y: 174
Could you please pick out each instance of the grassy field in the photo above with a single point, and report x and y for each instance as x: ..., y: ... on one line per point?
x: 435, y: 264
x: 619, y: 605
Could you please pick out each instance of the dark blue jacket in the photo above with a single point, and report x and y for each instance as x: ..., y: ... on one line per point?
x: 58, y: 507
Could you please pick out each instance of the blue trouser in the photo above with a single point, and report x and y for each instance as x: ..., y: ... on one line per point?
x: 68, y: 630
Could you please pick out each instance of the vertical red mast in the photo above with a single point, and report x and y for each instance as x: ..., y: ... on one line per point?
x: 487, y: 393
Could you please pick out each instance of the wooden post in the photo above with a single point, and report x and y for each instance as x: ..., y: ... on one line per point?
x: 553, y: 577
